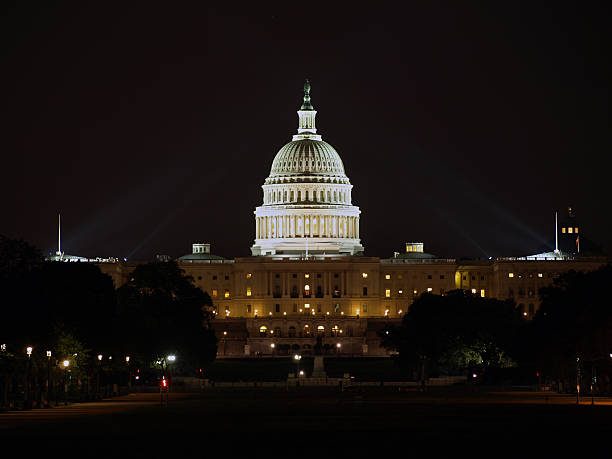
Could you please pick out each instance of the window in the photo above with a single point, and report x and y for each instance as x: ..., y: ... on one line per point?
x: 388, y: 293
x: 227, y: 293
x: 473, y: 277
x: 336, y: 292
x: 263, y: 330
x: 441, y: 291
x: 248, y: 291
x: 320, y: 330
x: 429, y: 276
x: 510, y: 274
x: 387, y: 276
x: 540, y: 275
x: 429, y: 289
x: 249, y: 308
x: 215, y: 293
x: 400, y: 276
x: 364, y: 275
x: 365, y: 307
x: 531, y: 308
x: 335, y: 275
x: 277, y: 276
x: 295, y: 308
x: 306, y: 276
x: 481, y: 277
x: 318, y: 275
x: 464, y: 277
x: 199, y: 277
x: 294, y: 291
x: 318, y: 308
x: 576, y: 230
x: 226, y: 277
x: 249, y: 275
x: 482, y: 292
x: 441, y: 276
x: 292, y: 332
x: 277, y: 307
x: 400, y: 291
x: 294, y: 276
x: 277, y: 331
x: 214, y: 277
x: 570, y: 230
x: 365, y: 291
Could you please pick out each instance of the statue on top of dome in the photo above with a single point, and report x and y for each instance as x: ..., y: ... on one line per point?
x: 307, y: 105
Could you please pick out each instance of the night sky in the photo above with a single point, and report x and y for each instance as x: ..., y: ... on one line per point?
x: 149, y: 128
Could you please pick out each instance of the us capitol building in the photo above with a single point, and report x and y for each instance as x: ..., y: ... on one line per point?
x: 308, y: 285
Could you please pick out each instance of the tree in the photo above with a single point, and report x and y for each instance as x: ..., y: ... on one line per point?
x: 574, y: 321
x: 162, y: 312
x: 454, y: 333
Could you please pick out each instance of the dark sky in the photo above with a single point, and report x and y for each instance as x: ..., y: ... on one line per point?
x: 464, y: 127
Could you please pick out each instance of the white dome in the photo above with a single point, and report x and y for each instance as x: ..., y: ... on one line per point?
x: 307, y: 207
x: 307, y: 156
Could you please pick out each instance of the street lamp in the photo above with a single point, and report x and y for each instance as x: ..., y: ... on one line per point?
x: 66, y: 363
x: 26, y: 393
x: 127, y: 361
x: 48, y: 379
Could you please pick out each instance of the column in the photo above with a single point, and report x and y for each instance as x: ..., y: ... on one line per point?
x: 357, y: 227
x: 256, y: 228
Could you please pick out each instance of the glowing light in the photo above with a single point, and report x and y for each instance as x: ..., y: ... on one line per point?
x: 248, y: 291
x: 99, y: 356
x: 306, y: 276
x: 338, y: 345
x: 387, y: 276
x: 48, y: 353
x: 66, y: 363
x: 482, y: 292
x: 429, y: 289
x: 301, y: 372
x: 29, y: 350
x: 249, y: 275
x: 224, y: 333
x: 171, y: 358
x: 272, y: 345
x: 364, y: 275
x: 473, y: 290
x: 297, y: 357
x: 386, y: 312
x: 127, y: 359
x: 388, y: 293
x: 510, y: 274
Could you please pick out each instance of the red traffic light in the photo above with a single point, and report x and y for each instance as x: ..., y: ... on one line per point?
x: 164, y: 383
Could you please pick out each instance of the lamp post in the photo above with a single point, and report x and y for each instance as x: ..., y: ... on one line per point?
x: 48, y: 379
x: 100, y: 356
x: 26, y: 392
x: 127, y: 361
x: 297, y: 359
x: 66, y: 363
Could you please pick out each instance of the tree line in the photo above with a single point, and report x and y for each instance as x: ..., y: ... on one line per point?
x: 568, y: 342
x: 73, y: 310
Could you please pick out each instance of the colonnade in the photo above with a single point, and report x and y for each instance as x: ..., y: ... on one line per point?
x: 328, y: 195
x: 279, y: 226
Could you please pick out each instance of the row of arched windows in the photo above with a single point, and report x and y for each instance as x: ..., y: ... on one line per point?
x: 307, y: 330
x: 329, y: 195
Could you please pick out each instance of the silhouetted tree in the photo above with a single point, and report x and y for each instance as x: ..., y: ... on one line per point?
x: 574, y: 321
x: 162, y: 312
x: 452, y: 333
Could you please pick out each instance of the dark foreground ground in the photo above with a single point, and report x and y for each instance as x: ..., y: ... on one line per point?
x: 365, y: 418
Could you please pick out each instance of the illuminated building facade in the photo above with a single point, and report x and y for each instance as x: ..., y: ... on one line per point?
x: 308, y: 285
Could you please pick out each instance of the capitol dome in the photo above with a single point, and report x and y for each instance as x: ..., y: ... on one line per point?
x: 307, y: 156
x: 307, y: 208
